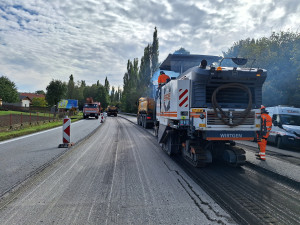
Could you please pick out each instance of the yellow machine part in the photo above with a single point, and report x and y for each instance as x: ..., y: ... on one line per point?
x: 110, y: 107
x: 146, y: 104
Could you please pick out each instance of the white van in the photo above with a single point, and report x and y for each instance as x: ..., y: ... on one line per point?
x: 286, y: 126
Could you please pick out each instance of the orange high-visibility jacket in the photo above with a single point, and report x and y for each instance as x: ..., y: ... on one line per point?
x: 162, y: 79
x: 266, y: 125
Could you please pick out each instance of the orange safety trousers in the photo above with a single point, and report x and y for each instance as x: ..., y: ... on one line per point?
x: 262, y: 143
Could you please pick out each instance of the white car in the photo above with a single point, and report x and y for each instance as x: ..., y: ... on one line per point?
x: 286, y: 126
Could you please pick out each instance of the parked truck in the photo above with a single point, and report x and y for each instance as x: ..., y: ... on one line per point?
x: 91, y: 109
x: 146, y: 112
x: 112, y: 110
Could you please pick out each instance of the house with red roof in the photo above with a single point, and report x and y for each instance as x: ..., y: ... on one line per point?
x: 26, y: 98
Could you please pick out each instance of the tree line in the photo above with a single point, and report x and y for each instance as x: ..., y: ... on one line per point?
x: 57, y: 90
x: 279, y: 54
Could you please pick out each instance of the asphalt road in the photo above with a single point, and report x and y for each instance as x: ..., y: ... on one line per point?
x: 24, y: 156
x: 119, y: 175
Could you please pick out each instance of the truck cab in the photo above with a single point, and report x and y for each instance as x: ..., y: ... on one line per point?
x: 286, y: 126
x: 91, y: 110
x: 112, y: 110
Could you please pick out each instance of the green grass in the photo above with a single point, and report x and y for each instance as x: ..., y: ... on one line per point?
x: 79, y: 116
x: 28, y: 130
x: 4, y: 113
x: 5, y: 135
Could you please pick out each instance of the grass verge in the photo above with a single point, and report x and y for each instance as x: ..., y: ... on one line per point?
x: 5, y: 135
x: 4, y: 113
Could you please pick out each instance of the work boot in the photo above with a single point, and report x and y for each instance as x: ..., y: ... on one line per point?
x: 258, y: 157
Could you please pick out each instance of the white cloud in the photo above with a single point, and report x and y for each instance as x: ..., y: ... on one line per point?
x: 41, y: 40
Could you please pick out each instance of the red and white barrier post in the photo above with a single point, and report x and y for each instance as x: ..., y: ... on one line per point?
x: 66, y: 133
x: 101, y: 118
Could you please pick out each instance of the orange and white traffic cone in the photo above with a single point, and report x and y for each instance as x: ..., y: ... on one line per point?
x: 66, y: 134
x: 101, y: 118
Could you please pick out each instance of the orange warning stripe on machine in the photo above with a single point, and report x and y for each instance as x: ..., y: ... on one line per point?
x: 168, y: 114
x: 196, y: 114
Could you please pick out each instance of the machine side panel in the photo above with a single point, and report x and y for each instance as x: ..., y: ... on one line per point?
x: 168, y: 100
x: 183, y: 97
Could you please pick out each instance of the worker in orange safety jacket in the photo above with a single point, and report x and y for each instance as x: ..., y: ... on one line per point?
x: 163, y: 78
x: 263, y: 134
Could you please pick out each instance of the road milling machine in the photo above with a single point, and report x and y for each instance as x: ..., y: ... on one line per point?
x: 206, y: 109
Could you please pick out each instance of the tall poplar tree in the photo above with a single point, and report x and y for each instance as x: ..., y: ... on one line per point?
x: 71, y: 88
x: 106, y: 85
x: 154, y: 52
x: 112, y: 94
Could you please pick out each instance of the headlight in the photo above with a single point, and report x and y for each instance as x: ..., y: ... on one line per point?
x: 202, y: 116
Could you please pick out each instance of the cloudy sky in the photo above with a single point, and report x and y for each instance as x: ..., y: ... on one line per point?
x: 42, y: 40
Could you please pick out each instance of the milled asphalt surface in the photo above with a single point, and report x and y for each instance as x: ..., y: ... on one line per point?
x: 272, y: 163
x: 119, y: 175
x: 20, y: 157
x: 276, y: 165
x: 288, y: 151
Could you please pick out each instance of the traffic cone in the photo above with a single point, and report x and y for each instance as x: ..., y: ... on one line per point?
x: 101, y: 118
x: 66, y: 134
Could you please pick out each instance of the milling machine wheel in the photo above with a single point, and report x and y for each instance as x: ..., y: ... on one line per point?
x: 234, y: 156
x: 198, y: 156
x: 171, y: 146
x: 198, y: 160
x: 156, y: 130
